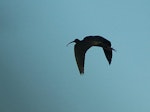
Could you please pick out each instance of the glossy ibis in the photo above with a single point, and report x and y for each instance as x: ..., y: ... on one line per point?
x: 82, y: 46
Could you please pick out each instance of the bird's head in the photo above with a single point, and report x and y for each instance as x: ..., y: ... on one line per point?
x: 76, y: 41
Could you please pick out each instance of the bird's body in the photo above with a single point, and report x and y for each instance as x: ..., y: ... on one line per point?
x: 82, y: 46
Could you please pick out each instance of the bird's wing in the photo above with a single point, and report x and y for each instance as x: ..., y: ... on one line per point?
x: 106, y: 42
x: 80, y: 56
x: 108, y: 54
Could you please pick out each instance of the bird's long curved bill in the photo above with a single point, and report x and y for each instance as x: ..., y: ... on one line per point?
x: 69, y: 43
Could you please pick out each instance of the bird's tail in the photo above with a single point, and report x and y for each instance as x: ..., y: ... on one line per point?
x: 113, y: 49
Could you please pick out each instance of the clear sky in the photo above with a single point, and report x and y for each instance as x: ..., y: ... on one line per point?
x: 38, y: 73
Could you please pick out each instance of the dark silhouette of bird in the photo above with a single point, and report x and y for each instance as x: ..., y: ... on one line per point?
x: 82, y: 46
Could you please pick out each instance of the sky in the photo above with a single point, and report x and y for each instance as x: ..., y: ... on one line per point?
x: 38, y: 73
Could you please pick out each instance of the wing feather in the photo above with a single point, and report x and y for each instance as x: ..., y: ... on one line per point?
x: 80, y: 51
x: 108, y: 54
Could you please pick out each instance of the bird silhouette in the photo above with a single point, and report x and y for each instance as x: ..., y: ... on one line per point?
x: 82, y: 46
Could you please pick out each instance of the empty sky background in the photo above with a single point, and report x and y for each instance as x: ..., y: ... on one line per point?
x: 38, y: 73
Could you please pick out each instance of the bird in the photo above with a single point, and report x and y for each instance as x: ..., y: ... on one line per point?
x: 81, y: 47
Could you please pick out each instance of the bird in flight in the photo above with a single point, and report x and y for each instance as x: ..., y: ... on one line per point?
x: 82, y: 46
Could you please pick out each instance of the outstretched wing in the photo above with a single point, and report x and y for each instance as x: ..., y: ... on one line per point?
x: 80, y: 51
x: 101, y: 42
x: 108, y: 54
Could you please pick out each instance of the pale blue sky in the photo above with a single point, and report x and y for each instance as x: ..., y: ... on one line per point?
x: 38, y: 73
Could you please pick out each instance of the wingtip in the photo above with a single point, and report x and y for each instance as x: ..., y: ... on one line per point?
x: 81, y: 72
x: 109, y: 62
